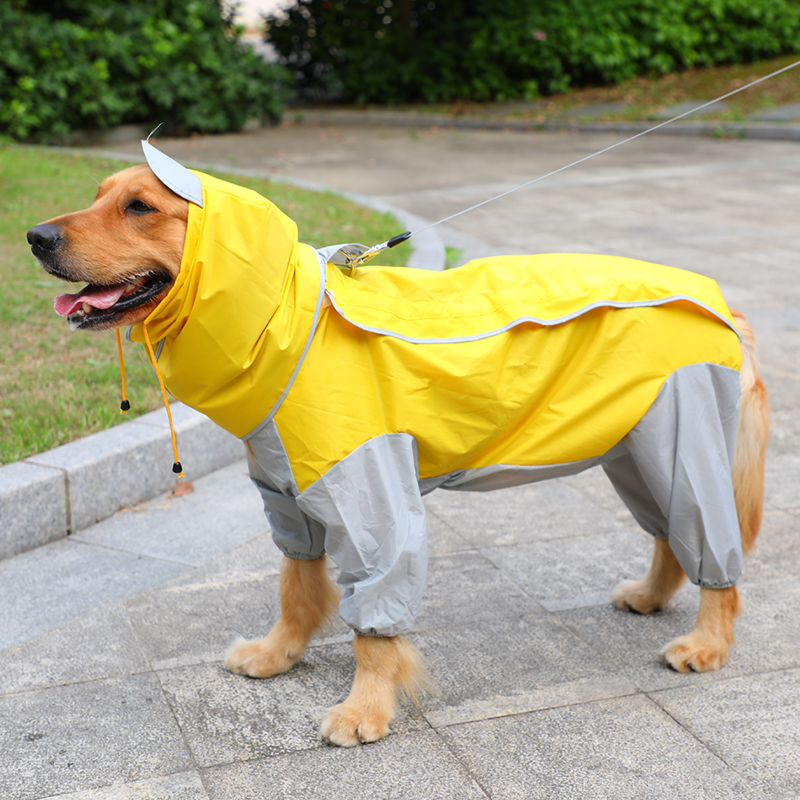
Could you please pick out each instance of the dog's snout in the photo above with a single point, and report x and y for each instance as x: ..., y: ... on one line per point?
x: 44, y: 237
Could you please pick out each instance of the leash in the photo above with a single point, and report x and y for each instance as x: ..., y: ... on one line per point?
x: 359, y: 260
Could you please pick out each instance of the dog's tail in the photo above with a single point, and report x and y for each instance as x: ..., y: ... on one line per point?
x: 752, y: 433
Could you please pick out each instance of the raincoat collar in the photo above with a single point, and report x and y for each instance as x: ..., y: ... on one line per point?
x: 236, y: 322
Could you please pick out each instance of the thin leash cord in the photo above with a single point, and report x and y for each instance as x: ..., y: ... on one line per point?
x: 610, y: 147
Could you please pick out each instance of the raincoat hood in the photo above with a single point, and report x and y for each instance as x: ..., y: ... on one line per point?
x: 241, y: 309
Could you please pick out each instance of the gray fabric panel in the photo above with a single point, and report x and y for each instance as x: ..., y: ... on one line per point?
x: 376, y: 533
x: 681, y: 452
x: 295, y: 534
x: 339, y: 253
x: 630, y: 486
x: 292, y: 531
x: 502, y: 476
x: 272, y: 464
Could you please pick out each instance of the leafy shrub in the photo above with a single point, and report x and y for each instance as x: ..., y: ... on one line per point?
x: 406, y: 50
x: 97, y: 63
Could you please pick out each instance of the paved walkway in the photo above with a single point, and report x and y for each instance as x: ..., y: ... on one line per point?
x: 111, y: 684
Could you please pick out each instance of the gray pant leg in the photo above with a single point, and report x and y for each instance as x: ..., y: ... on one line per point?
x: 375, y: 532
x: 674, y: 473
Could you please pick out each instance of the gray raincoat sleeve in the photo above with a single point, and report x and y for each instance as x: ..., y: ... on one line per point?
x: 366, y: 512
x: 376, y: 533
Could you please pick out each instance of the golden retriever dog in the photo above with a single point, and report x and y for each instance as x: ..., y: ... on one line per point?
x: 128, y: 246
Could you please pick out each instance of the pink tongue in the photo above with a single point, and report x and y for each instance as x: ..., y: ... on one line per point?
x: 95, y: 296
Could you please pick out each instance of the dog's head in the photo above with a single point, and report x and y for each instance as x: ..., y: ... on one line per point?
x: 127, y: 246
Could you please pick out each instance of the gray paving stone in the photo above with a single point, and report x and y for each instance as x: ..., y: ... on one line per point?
x: 397, y: 768
x: 466, y: 587
x: 58, y: 582
x: 775, y: 555
x: 781, y: 487
x: 196, y: 617
x: 633, y: 642
x: 181, y: 786
x: 550, y: 509
x: 87, y: 735
x: 789, y: 112
x: 766, y: 635
x: 223, y: 511
x: 99, y: 645
x: 442, y: 538
x: 625, y: 747
x: 595, y: 487
x: 754, y: 726
x: 576, y: 571
x: 33, y: 507
x: 512, y: 666
x: 226, y: 718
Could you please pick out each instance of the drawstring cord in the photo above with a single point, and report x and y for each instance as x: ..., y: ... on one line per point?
x: 124, y: 405
x: 176, y: 467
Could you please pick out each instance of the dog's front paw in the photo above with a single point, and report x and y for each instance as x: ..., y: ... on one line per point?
x: 636, y: 596
x: 260, y: 658
x: 347, y: 725
x: 690, y: 653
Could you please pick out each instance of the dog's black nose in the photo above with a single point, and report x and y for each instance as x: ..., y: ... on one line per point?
x: 44, y: 237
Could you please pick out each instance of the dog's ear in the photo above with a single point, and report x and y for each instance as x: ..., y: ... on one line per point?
x: 173, y: 175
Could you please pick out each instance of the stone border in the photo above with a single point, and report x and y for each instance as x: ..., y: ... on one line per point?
x: 52, y: 494
x: 49, y: 495
x: 750, y: 130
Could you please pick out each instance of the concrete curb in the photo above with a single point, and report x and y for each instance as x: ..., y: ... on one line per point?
x: 787, y: 131
x: 52, y: 494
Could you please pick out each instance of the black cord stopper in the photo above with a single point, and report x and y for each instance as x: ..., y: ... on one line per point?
x: 399, y: 239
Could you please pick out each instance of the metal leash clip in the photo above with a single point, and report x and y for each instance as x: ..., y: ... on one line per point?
x: 355, y: 258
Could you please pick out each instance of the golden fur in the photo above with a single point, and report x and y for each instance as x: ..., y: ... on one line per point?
x: 137, y: 226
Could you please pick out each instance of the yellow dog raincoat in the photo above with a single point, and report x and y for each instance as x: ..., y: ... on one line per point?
x: 359, y: 394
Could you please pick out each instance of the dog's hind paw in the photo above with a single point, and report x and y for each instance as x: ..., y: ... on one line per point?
x: 347, y: 726
x: 259, y: 658
x: 691, y: 654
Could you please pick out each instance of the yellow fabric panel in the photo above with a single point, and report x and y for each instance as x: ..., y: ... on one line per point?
x: 487, y: 294
x: 539, y: 395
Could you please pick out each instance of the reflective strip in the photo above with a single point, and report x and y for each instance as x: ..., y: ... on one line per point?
x: 535, y: 320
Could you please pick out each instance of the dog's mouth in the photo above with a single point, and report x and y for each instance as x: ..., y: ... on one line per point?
x: 99, y: 305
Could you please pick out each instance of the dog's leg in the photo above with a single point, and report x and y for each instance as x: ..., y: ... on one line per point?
x: 656, y: 590
x: 706, y: 647
x: 308, y: 601
x: 385, y: 667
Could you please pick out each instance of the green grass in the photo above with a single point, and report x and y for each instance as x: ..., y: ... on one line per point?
x: 56, y: 386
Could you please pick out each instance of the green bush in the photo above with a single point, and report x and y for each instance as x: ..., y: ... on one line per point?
x: 408, y: 50
x: 97, y: 63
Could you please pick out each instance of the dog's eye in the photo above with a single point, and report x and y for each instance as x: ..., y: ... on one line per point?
x: 138, y: 207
